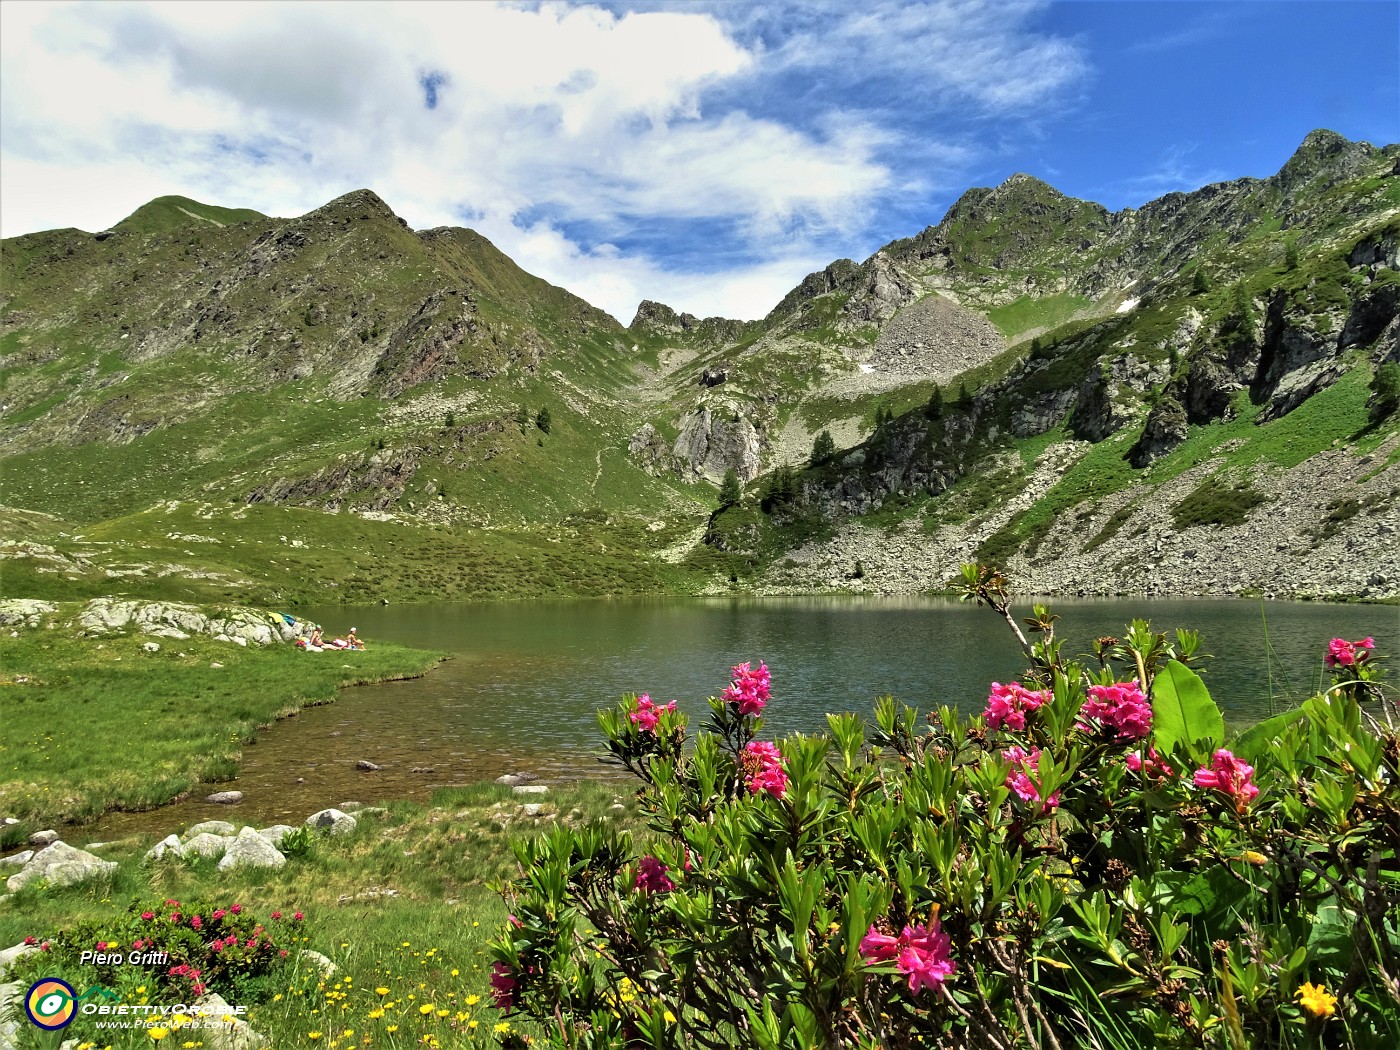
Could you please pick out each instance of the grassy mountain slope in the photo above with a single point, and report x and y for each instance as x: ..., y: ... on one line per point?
x: 426, y: 419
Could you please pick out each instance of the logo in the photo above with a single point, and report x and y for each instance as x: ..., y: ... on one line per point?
x: 51, y: 1004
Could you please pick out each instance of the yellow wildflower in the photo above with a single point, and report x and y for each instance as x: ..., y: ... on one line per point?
x: 313, y: 1035
x: 381, y: 991
x: 472, y: 1000
x: 1315, y: 999
x: 502, y: 1028
x: 158, y: 1033
x: 426, y: 1009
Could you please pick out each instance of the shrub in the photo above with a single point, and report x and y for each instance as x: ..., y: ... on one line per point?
x: 1089, y: 862
x: 730, y: 491
x: 208, y: 947
x: 1215, y: 502
x: 1385, y: 391
x: 823, y: 448
x: 544, y: 421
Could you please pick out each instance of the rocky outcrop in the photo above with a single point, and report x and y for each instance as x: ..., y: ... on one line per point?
x: 657, y: 320
x: 1165, y: 429
x: 24, y: 612
x: 103, y: 616
x: 712, y: 440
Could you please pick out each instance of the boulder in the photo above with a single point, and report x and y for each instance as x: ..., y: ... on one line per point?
x: 212, y: 827
x: 366, y: 765
x: 170, y: 844
x: 530, y: 789
x: 59, y: 864
x: 512, y: 779
x: 17, y: 860
x: 333, y: 821
x: 231, y: 1031
x: 43, y: 838
x: 225, y: 798
x: 207, y: 845
x: 276, y: 833
x: 324, y: 966
x: 251, y: 850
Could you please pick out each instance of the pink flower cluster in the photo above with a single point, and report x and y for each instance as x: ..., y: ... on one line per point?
x: 748, y: 690
x: 646, y: 715
x: 652, y: 877
x: 1228, y: 775
x: 187, y: 971
x: 1120, y: 707
x: 502, y: 987
x: 1342, y: 653
x: 1007, y: 705
x: 925, y: 954
x: 1152, y: 765
x: 763, y: 768
x: 1024, y: 764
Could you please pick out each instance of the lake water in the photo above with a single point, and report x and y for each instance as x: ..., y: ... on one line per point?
x: 526, y: 679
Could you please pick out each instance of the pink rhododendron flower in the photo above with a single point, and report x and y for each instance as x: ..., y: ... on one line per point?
x: 502, y: 987
x: 763, y: 768
x: 652, y: 877
x: 1025, y: 764
x: 1228, y: 775
x: 298, y: 917
x: 276, y: 915
x: 1007, y: 705
x: 219, y: 913
x: 646, y: 715
x: 197, y: 922
x: 1153, y: 766
x: 148, y: 915
x: 749, y: 689
x: 1342, y: 653
x: 1120, y: 707
x: 31, y: 940
x: 922, y: 953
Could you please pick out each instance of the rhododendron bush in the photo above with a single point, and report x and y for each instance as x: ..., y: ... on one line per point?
x: 1088, y: 860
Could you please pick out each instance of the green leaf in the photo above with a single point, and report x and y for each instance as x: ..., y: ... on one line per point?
x: 1250, y: 744
x: 1182, y: 710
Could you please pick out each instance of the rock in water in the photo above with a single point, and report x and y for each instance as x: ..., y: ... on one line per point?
x: 253, y: 851
x: 225, y: 798
x: 59, y: 864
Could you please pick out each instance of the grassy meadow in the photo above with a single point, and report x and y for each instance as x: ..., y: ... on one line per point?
x: 95, y: 724
x: 403, y: 906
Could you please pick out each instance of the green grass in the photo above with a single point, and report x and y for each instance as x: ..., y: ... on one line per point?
x: 98, y: 724
x: 426, y: 944
x: 1029, y: 313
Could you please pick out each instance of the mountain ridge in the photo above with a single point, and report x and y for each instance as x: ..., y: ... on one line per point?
x: 340, y: 361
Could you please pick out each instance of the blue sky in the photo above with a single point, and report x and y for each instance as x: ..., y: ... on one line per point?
x: 707, y: 155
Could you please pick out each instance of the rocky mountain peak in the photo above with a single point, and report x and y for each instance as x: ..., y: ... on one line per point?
x: 1326, y: 159
x: 653, y: 316
x: 360, y: 205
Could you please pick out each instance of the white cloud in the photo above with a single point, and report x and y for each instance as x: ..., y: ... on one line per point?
x: 558, y: 128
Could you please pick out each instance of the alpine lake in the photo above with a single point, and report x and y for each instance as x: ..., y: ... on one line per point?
x: 525, y: 680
